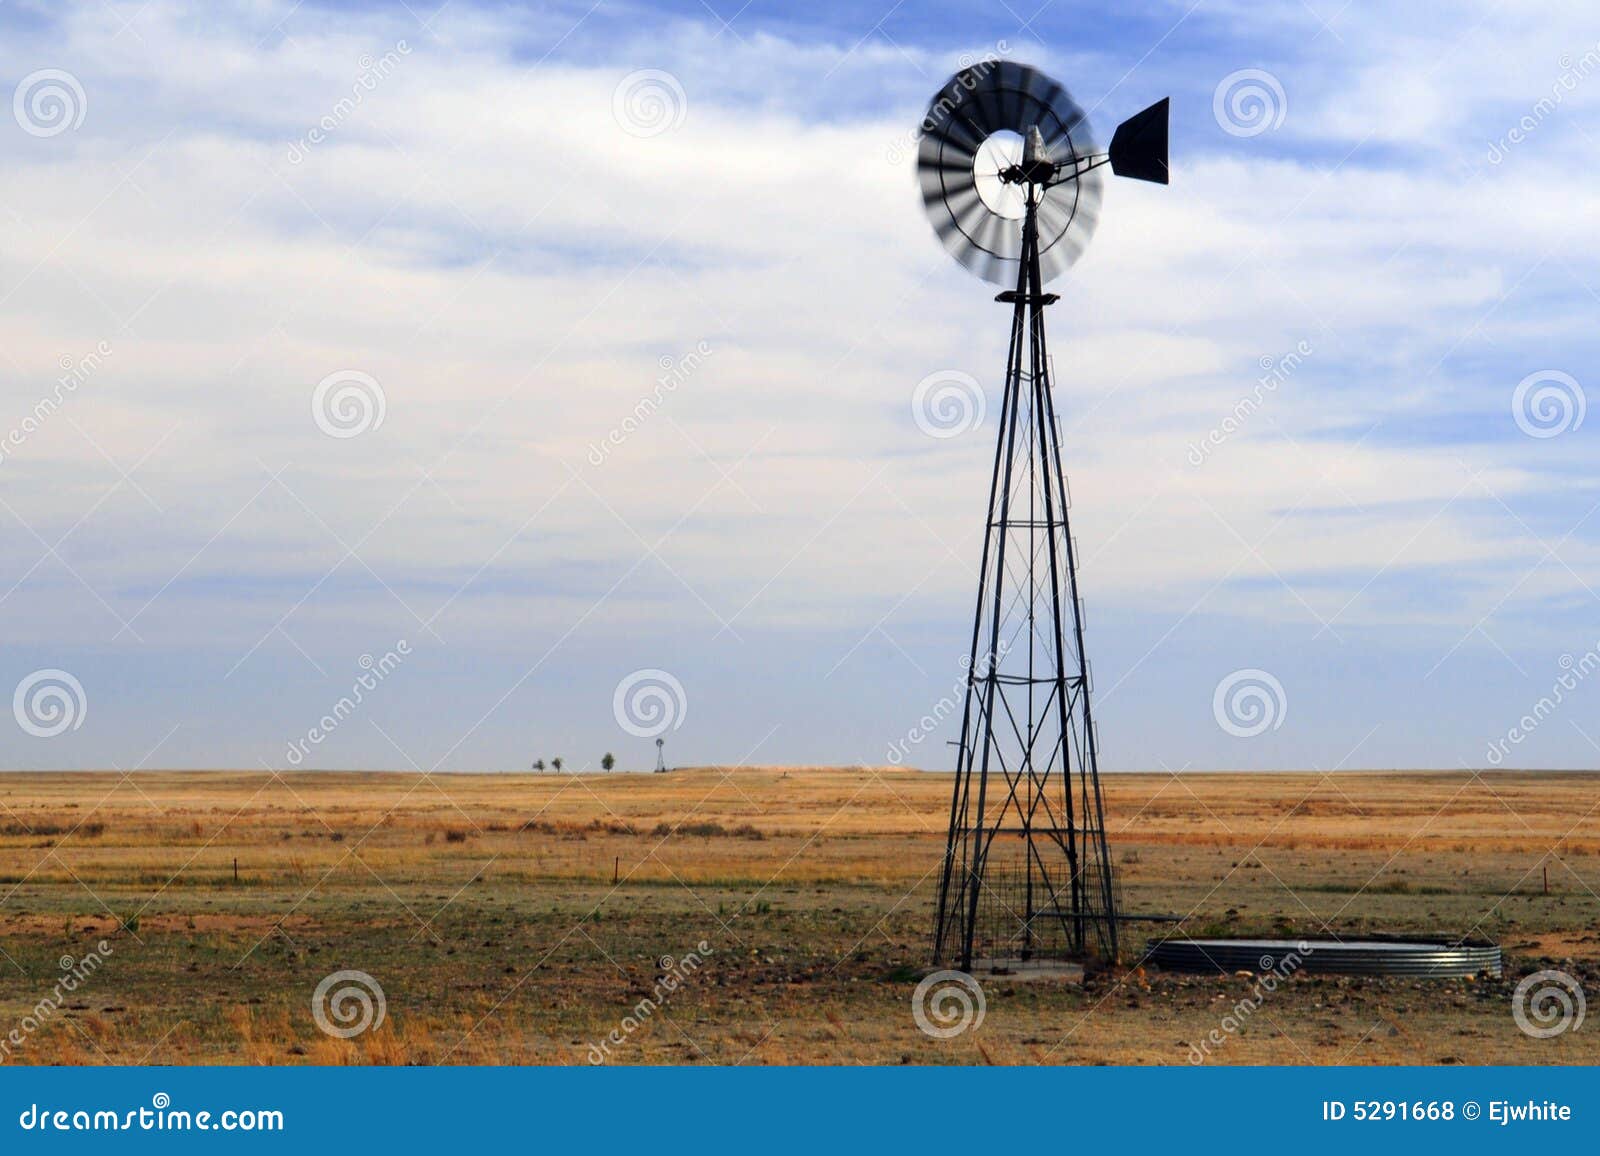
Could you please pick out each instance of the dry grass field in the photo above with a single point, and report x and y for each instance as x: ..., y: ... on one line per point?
x: 519, y: 919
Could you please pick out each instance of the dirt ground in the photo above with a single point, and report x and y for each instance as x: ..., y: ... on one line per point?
x: 751, y: 915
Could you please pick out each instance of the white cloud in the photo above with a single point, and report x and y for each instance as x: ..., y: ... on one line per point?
x: 483, y: 239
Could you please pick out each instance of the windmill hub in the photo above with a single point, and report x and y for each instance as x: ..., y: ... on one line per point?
x: 1036, y: 168
x: 1010, y: 181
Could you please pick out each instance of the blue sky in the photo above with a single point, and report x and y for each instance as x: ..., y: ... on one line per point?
x: 213, y: 227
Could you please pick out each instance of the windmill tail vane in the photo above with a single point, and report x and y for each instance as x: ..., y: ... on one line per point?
x: 1010, y: 181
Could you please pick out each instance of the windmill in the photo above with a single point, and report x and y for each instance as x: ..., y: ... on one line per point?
x: 1011, y: 182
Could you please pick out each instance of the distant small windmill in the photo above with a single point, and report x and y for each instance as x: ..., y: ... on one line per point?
x: 661, y: 758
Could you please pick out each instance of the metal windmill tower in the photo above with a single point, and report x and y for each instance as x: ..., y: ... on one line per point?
x: 1010, y: 181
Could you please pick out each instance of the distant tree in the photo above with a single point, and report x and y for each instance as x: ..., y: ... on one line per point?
x: 538, y: 764
x: 556, y: 763
x: 608, y: 761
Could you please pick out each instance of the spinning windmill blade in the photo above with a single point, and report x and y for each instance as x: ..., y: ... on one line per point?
x: 974, y: 133
x: 960, y: 157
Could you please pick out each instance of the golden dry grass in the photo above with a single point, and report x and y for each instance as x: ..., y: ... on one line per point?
x: 485, y: 906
